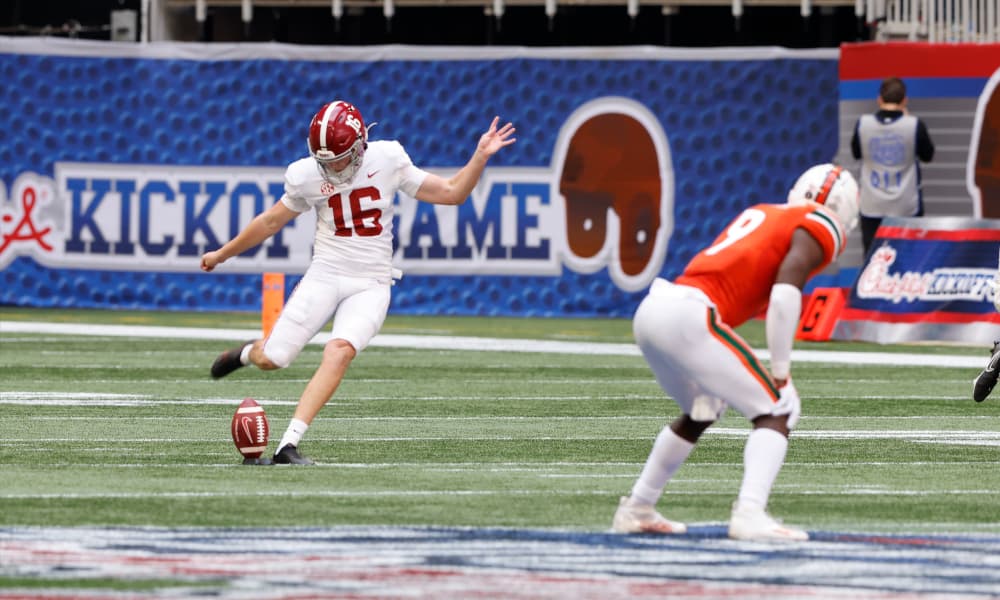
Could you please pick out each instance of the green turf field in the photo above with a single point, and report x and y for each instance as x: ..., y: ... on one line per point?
x: 101, y: 430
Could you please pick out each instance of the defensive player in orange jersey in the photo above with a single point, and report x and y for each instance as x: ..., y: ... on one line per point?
x: 685, y: 330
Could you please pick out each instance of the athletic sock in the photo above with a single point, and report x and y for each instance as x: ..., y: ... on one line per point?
x: 293, y: 435
x: 763, y: 457
x: 668, y: 454
x: 245, y: 354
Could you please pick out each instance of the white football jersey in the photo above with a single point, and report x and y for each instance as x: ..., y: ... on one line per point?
x: 354, y: 220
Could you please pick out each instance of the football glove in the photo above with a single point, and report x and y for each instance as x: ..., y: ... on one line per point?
x: 789, y: 404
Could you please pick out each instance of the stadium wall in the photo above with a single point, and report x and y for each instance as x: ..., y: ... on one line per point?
x: 122, y: 163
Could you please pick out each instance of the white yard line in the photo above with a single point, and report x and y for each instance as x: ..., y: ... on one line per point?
x: 939, y: 436
x: 435, y: 342
x: 841, y: 491
x: 504, y: 467
x: 934, y: 419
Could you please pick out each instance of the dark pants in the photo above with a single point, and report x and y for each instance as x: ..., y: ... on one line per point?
x: 869, y: 225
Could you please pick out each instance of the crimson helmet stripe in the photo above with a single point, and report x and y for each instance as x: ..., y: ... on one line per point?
x: 324, y: 122
x: 831, y: 178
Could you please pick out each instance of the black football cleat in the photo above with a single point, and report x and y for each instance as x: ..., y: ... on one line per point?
x: 987, y: 380
x: 228, y: 361
x: 289, y: 455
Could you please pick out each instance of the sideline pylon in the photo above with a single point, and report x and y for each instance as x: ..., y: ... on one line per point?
x: 821, y: 314
x: 272, y: 300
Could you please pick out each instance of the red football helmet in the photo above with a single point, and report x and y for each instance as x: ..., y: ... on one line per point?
x: 337, y: 140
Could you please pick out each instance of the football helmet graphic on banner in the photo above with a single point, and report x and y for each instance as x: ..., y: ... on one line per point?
x: 614, y: 193
x: 337, y: 140
x: 832, y: 186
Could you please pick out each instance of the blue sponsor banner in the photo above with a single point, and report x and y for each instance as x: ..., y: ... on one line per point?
x: 926, y: 279
x: 122, y: 163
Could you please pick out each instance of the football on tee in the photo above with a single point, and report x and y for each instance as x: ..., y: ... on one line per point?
x: 250, y: 429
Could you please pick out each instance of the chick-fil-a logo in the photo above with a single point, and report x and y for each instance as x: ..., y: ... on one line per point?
x: 942, y: 284
x: 22, y: 222
x: 875, y: 280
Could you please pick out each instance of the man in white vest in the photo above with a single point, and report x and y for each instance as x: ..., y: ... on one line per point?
x: 888, y: 143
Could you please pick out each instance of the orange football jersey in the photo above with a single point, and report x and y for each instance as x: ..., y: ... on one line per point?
x: 739, y: 268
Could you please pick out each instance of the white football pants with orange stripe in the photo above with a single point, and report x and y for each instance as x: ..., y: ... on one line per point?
x: 700, y: 361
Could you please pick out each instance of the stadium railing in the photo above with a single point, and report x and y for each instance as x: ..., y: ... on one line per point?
x: 965, y: 21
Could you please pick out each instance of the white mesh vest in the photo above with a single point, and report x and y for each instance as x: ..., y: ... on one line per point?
x: 889, y: 167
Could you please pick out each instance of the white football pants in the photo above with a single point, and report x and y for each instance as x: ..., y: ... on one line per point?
x: 697, y: 359
x: 358, y: 306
